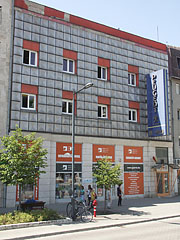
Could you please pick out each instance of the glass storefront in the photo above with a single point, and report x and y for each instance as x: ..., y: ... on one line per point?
x: 64, y: 180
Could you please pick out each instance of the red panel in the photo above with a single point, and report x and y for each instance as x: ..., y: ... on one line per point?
x: 103, y: 62
x: 133, y: 183
x: 133, y: 154
x: 115, y: 32
x: 29, y: 89
x: 53, y: 12
x: 104, y: 100
x: 69, y: 54
x: 64, y: 152
x: 133, y: 69
x: 67, y: 95
x: 20, y: 4
x: 134, y: 105
x: 33, y: 46
x: 103, y: 151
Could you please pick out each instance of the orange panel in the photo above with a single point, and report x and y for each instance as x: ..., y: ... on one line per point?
x: 133, y: 183
x: 64, y: 152
x: 103, y: 151
x: 133, y: 154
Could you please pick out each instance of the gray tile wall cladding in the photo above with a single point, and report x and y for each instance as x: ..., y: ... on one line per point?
x: 53, y: 37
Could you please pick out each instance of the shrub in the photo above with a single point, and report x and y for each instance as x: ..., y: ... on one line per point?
x: 30, y: 216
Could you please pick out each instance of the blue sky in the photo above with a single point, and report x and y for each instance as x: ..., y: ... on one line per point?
x: 154, y: 19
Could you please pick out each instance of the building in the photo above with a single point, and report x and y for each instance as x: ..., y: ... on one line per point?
x: 55, y: 53
x: 5, y: 72
x: 174, y: 75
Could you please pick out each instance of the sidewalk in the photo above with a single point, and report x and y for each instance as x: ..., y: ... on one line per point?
x: 132, y: 211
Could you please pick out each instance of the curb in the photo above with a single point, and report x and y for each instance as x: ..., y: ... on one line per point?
x: 35, y: 224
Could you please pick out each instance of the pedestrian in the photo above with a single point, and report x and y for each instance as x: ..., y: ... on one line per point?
x: 82, y: 194
x: 93, y: 197
x: 89, y: 194
x: 119, y: 194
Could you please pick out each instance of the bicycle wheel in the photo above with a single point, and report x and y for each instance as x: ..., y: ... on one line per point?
x: 69, y: 210
x: 86, y: 216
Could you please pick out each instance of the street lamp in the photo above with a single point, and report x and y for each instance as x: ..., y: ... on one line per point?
x: 88, y: 85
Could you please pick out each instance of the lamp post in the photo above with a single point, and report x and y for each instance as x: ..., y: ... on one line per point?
x: 88, y: 85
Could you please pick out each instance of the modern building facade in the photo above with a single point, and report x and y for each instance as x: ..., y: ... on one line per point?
x: 55, y: 53
x: 174, y: 75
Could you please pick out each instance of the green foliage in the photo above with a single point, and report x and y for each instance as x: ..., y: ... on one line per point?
x: 22, y: 158
x: 106, y: 174
x: 31, y: 216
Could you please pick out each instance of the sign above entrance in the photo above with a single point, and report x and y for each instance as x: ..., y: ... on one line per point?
x: 103, y: 151
x: 133, y: 154
x: 64, y: 152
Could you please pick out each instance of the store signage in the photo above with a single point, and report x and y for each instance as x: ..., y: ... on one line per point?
x: 133, y: 183
x: 133, y: 167
x: 103, y: 152
x: 64, y: 152
x: 61, y: 167
x: 133, y: 154
x: 157, y: 103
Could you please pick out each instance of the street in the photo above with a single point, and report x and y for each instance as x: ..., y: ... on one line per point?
x: 166, y: 229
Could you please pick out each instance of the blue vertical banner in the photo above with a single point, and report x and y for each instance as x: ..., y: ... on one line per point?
x: 157, y: 103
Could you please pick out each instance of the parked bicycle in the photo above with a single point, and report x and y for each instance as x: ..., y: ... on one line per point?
x: 80, y: 210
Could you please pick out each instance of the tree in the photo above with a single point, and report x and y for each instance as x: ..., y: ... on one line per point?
x: 107, y: 175
x: 22, y: 159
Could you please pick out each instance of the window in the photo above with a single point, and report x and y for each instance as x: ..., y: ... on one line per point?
x: 132, y: 79
x: 178, y: 88
x: 178, y: 62
x: 69, y: 61
x: 132, y: 115
x: 68, y: 65
x: 102, y: 111
x: 103, y: 70
x: 102, y: 73
x: 162, y: 155
x: 133, y: 75
x: 30, y: 57
x: 67, y: 106
x: 178, y: 114
x: 28, y: 101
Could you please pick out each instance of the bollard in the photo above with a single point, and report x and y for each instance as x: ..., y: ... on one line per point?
x: 94, y: 211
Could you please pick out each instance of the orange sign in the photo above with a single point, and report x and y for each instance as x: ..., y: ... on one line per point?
x: 103, y: 151
x: 133, y: 183
x: 133, y: 154
x: 64, y: 152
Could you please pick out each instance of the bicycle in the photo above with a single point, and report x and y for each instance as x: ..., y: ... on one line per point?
x: 81, y: 211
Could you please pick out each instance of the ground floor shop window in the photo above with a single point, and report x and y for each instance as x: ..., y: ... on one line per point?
x: 28, y: 191
x: 64, y: 185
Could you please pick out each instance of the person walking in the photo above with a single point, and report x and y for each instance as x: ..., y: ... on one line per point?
x: 82, y: 194
x: 119, y: 194
x: 89, y: 194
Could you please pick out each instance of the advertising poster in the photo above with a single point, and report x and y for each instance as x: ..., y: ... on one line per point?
x: 133, y: 170
x: 103, y: 151
x: 64, y: 152
x: 157, y: 103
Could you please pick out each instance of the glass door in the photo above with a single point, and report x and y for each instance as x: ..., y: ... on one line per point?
x: 162, y: 184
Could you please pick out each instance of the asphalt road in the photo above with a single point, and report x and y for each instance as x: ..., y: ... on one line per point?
x: 168, y: 229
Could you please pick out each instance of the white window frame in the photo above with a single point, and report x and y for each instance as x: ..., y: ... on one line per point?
x: 132, y: 111
x: 28, y: 95
x: 68, y: 60
x: 102, y: 68
x: 177, y: 88
x: 102, y: 106
x: 29, y: 64
x: 67, y: 106
x: 130, y: 82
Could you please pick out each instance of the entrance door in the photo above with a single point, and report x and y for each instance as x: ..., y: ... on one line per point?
x: 162, y: 184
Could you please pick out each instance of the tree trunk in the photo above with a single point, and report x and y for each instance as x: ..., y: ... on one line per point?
x: 105, y: 201
x: 20, y: 191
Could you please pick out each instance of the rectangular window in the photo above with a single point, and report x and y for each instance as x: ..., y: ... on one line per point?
x: 162, y: 155
x: 131, y: 79
x: 68, y: 65
x: 102, y: 111
x: 178, y: 62
x: 132, y: 115
x: 28, y: 101
x: 29, y: 57
x: 102, y: 73
x: 178, y: 88
x: 67, y: 106
x: 178, y: 114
